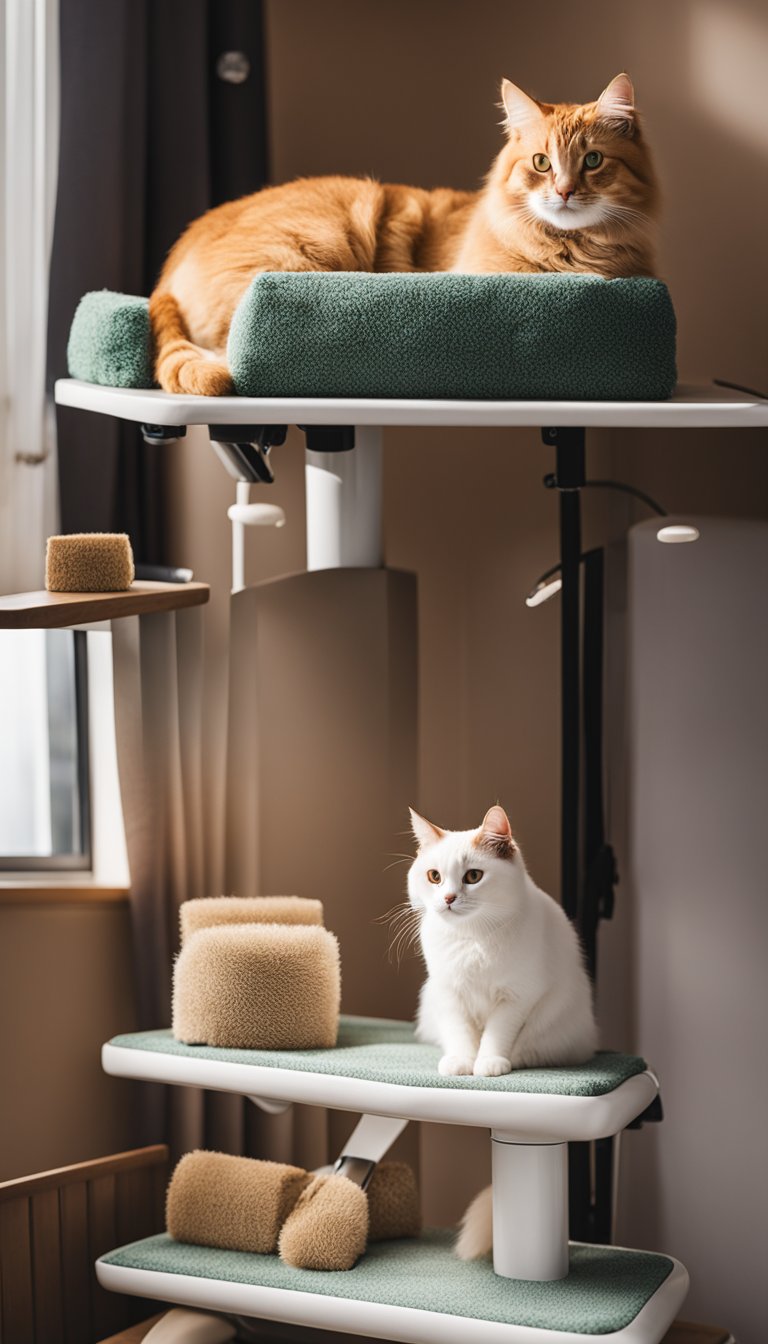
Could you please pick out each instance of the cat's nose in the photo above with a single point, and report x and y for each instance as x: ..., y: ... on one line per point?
x: 565, y: 192
x: 449, y: 898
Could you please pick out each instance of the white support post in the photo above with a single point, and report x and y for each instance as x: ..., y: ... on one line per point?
x: 344, y: 505
x: 530, y: 1209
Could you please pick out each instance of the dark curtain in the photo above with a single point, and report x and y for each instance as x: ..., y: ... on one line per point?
x: 163, y: 114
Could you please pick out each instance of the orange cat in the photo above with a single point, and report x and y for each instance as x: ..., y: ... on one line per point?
x: 573, y: 189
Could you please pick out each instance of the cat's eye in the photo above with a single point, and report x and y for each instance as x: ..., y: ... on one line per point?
x: 593, y: 159
x: 434, y: 876
x: 472, y: 876
x: 541, y: 163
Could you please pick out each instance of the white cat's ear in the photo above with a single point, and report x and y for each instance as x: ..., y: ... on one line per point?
x: 424, y: 832
x: 496, y: 833
x: 522, y: 111
x: 617, y: 101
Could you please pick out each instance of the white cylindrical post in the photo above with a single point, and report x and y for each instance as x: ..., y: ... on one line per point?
x: 344, y: 505
x: 243, y: 496
x: 530, y: 1209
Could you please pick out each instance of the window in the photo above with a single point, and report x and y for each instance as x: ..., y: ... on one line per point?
x: 44, y: 784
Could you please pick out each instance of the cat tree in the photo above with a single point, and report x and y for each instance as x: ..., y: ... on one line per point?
x: 540, y: 1286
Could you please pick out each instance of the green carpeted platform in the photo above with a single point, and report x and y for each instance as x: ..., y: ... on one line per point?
x: 384, y: 1051
x: 604, y: 1291
x: 415, y: 336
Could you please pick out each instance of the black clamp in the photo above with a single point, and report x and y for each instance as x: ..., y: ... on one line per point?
x: 244, y: 449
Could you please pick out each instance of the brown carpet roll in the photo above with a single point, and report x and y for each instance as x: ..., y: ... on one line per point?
x: 89, y: 562
x: 393, y: 1202
x: 328, y: 1228
x: 235, y: 1203
x: 208, y: 911
x: 258, y: 987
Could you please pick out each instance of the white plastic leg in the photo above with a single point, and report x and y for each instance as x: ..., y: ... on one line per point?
x: 183, y: 1326
x: 344, y: 505
x: 530, y: 1209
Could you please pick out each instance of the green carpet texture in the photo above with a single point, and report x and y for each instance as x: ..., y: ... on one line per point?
x: 109, y: 341
x: 604, y: 1291
x: 384, y: 1051
x: 440, y: 336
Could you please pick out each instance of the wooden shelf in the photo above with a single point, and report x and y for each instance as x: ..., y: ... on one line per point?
x: 49, y: 611
x: 16, y: 891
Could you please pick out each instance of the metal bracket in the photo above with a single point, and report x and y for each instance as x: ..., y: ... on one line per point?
x: 329, y: 438
x: 163, y: 433
x: 371, y: 1138
x: 244, y: 450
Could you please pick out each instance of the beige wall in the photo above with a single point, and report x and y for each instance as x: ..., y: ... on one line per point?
x: 65, y: 987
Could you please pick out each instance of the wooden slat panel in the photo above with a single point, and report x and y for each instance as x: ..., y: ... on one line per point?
x: 46, y: 611
x: 61, y: 893
x: 18, y: 1320
x: 46, y: 1268
x: 77, y: 1270
x: 102, y: 1237
x: 155, y: 1155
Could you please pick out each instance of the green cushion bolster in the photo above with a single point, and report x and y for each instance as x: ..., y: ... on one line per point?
x: 484, y: 337
x: 462, y: 337
x: 383, y: 1051
x: 109, y: 341
x: 604, y: 1291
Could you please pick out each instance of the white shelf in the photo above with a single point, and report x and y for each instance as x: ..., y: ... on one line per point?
x: 361, y: 1306
x: 525, y: 1117
x: 705, y: 407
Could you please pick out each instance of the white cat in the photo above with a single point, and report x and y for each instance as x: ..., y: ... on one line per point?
x: 506, y: 986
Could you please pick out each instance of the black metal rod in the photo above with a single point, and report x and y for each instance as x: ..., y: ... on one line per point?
x: 569, y: 447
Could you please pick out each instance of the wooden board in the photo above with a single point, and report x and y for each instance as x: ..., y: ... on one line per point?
x: 49, y: 611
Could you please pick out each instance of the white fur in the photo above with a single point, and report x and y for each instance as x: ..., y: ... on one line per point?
x: 506, y: 986
x: 566, y: 214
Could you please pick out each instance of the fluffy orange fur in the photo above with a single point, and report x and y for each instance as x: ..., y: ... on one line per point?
x: 573, y: 189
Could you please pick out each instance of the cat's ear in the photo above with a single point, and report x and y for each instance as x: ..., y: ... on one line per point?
x: 522, y: 111
x: 496, y: 833
x: 424, y: 832
x: 617, y: 101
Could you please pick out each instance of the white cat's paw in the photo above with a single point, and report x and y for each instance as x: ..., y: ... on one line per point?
x: 450, y: 1065
x: 491, y: 1066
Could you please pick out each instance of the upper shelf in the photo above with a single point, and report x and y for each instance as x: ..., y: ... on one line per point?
x: 705, y: 407
x: 54, y: 611
x: 378, y: 1067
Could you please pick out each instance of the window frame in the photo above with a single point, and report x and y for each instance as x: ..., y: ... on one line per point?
x: 80, y: 860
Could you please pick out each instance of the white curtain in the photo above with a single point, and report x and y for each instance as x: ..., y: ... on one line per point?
x: 29, y: 110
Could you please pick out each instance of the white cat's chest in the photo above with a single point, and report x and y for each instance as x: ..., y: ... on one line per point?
x: 470, y: 967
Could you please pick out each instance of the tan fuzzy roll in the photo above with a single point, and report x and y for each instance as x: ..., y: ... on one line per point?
x: 208, y: 911
x: 393, y: 1202
x: 235, y: 1203
x: 89, y: 562
x: 258, y: 987
x: 328, y: 1228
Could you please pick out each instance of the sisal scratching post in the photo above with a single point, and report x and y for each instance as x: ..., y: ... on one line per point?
x: 205, y: 912
x: 393, y: 1202
x: 258, y: 987
x: 89, y: 562
x: 234, y: 1203
x: 328, y: 1228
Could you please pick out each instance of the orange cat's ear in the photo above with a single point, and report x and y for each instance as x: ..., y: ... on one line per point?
x: 496, y: 833
x: 424, y: 832
x: 617, y: 101
x: 522, y: 111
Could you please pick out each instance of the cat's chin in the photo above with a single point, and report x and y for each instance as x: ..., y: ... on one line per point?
x: 566, y: 216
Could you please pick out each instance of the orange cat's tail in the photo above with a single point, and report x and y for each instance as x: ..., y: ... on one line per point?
x: 180, y: 365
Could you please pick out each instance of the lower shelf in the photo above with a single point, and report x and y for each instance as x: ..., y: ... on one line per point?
x: 416, y: 1291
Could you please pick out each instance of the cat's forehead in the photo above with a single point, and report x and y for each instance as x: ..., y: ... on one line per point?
x: 454, y: 845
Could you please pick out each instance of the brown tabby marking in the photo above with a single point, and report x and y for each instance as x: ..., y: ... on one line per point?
x: 566, y: 218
